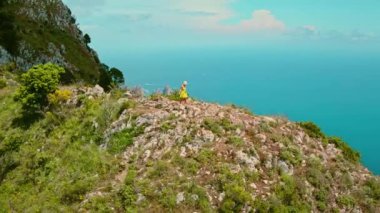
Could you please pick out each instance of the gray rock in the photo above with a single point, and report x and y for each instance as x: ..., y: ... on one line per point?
x: 284, y: 167
x: 195, y: 197
x: 180, y: 197
x: 262, y: 138
x: 5, y: 57
x: 167, y: 90
x: 250, y: 161
x: 97, y: 91
x: 137, y: 92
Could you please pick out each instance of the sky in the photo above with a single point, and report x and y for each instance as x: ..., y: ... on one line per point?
x: 138, y: 25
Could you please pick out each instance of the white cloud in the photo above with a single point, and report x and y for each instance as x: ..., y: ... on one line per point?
x: 182, y: 15
x: 262, y: 20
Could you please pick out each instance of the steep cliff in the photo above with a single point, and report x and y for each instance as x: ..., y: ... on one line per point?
x: 40, y: 31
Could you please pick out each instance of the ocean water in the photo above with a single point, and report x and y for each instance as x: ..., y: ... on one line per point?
x: 337, y: 89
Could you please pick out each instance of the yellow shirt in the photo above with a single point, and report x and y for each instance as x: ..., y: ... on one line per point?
x: 183, y: 93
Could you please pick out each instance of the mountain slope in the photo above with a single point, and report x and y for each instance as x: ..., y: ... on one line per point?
x: 34, y: 32
x: 106, y: 152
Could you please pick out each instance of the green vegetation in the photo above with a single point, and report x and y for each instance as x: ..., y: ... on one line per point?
x: 174, y: 96
x: 166, y: 126
x: 52, y: 163
x: 202, y: 201
x: 348, y: 152
x: 110, y: 77
x: 315, y: 132
x: 346, y: 201
x: 291, y: 155
x: 123, y: 139
x: 236, y: 196
x: 243, y: 109
x: 129, y: 104
x: 59, y: 97
x: 236, y: 141
x: 128, y: 192
x: 373, y: 188
x: 290, y: 193
x: 9, y: 37
x: 3, y: 83
x: 218, y: 127
x: 36, y: 85
x: 312, y: 129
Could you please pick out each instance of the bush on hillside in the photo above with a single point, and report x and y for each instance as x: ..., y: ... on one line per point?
x: 59, y: 97
x: 174, y: 95
x: 3, y: 83
x: 36, y: 85
x: 347, y: 151
x: 312, y: 129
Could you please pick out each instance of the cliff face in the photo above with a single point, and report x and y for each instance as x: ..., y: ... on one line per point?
x: 123, y: 152
x: 40, y: 31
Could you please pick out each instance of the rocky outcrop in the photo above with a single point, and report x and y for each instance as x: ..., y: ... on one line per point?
x: 205, y: 143
x: 37, y: 43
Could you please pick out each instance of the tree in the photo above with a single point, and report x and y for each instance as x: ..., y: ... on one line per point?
x: 117, y: 76
x: 110, y: 77
x: 8, y: 35
x: 87, y: 38
x: 36, y: 84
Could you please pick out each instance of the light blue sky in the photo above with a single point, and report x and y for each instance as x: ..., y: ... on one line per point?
x: 115, y: 25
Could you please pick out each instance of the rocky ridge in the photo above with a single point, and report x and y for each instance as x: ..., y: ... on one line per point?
x: 213, y: 148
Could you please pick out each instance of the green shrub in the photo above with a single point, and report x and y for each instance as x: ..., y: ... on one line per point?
x: 166, y: 126
x: 59, y: 97
x: 74, y: 191
x: 321, y: 206
x: 205, y: 155
x: 235, y: 198
x: 213, y: 126
x: 372, y: 188
x: 129, y: 104
x: 217, y: 126
x: 312, y: 129
x: 291, y: 155
x: 3, y: 83
x: 227, y: 125
x: 236, y: 141
x: 233, y: 185
x: 348, y: 153
x: 123, y: 139
x: 128, y: 193
x: 155, y: 96
x: 202, y: 202
x: 168, y: 198
x: 243, y: 109
x: 159, y: 169
x: 36, y: 84
x: 191, y: 166
x: 174, y: 96
x: 316, y: 178
x: 346, y: 201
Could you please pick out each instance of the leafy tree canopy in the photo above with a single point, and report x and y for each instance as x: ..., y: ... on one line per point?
x: 36, y: 84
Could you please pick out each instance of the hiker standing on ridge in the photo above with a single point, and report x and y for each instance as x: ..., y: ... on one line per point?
x: 183, y: 93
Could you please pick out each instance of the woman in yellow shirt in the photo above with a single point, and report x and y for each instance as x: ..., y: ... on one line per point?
x: 183, y: 93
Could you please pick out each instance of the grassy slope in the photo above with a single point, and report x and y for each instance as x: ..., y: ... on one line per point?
x: 52, y: 163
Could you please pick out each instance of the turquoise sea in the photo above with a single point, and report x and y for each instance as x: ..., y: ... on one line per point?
x: 339, y: 89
